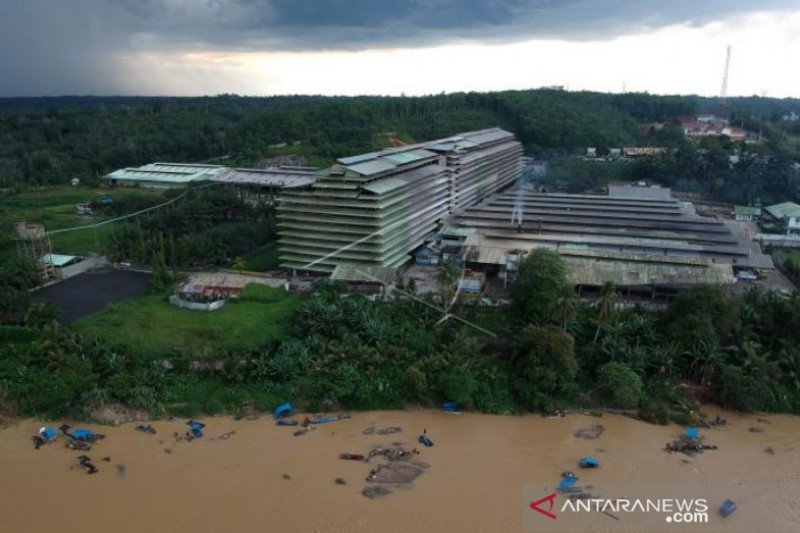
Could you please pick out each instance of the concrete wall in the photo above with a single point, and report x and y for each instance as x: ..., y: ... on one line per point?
x: 781, y: 241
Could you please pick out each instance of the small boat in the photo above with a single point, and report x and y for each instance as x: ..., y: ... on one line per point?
x: 351, y: 456
x: 727, y: 508
x: 425, y: 440
x: 589, y: 462
x: 325, y: 419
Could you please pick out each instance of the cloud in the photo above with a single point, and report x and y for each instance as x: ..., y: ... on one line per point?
x: 364, y: 24
x: 92, y: 46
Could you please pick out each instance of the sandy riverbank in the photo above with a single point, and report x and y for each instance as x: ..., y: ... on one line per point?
x: 474, y: 484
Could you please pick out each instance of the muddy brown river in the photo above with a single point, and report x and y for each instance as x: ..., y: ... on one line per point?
x: 262, y: 478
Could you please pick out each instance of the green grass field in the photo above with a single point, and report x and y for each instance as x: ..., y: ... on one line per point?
x: 54, y: 207
x: 265, y: 258
x: 150, y: 327
x: 785, y: 253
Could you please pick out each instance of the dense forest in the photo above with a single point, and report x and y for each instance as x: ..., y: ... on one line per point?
x: 51, y: 140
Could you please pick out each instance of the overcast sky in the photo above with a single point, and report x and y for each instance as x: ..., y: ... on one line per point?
x: 266, y: 47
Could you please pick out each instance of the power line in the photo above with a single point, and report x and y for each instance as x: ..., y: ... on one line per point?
x: 123, y: 217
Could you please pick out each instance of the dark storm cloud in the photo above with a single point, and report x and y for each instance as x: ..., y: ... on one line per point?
x: 80, y: 46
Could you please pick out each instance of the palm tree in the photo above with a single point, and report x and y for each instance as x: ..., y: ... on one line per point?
x: 605, y: 306
x: 238, y: 263
x: 446, y: 278
x: 706, y: 358
x: 789, y: 361
x: 567, y: 305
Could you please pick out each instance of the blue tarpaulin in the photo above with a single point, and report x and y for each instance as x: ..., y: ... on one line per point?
x: 48, y: 433
x: 450, y: 406
x: 567, y: 483
x: 196, y: 427
x: 692, y: 433
x: 284, y: 409
x: 423, y: 439
x: 83, y: 434
x: 727, y: 508
x: 589, y: 462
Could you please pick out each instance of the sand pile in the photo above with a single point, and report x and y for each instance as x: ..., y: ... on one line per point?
x: 593, y: 432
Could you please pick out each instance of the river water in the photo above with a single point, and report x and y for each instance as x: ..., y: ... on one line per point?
x: 478, y: 468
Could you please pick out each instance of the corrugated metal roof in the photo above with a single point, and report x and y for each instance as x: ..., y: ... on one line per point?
x: 747, y: 210
x: 385, y: 185
x: 273, y: 177
x: 403, y: 158
x: 167, y: 172
x: 371, y: 167
x: 784, y: 210
x: 59, y: 260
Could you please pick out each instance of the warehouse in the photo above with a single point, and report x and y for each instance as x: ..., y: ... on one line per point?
x: 375, y: 209
x: 259, y: 185
x: 631, y: 240
x: 163, y: 175
x: 252, y: 181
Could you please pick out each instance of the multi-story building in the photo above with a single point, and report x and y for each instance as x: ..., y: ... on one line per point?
x: 375, y: 209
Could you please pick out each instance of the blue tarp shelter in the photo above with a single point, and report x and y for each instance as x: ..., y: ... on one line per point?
x: 83, y: 434
x: 424, y: 440
x: 727, y: 508
x: 48, y: 433
x: 449, y: 406
x: 196, y: 427
x: 284, y: 409
x: 589, y: 462
x: 567, y: 483
x: 692, y: 433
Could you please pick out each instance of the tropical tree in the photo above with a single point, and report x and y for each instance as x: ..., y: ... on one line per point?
x: 567, y: 305
x: 544, y: 374
x: 604, y: 306
x: 620, y: 384
x: 446, y: 279
x: 539, y: 284
x: 238, y: 263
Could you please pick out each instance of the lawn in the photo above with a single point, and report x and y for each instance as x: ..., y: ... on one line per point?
x: 263, y: 259
x: 786, y: 253
x: 54, y: 207
x: 150, y: 327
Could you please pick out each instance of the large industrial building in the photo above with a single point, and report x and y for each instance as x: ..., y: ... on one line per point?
x: 181, y: 175
x: 375, y: 209
x: 635, y: 237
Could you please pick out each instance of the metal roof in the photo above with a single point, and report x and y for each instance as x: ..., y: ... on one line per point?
x: 784, y: 210
x: 746, y: 210
x: 59, y: 260
x: 179, y: 173
x: 371, y: 167
x: 272, y: 177
x: 385, y: 185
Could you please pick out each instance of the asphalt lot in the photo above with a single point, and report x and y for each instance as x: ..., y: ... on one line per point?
x: 91, y: 292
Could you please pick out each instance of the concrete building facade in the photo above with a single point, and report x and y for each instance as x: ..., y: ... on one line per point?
x: 375, y: 209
